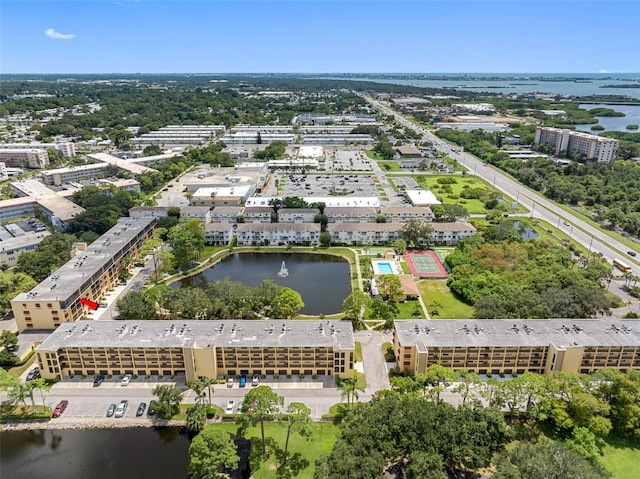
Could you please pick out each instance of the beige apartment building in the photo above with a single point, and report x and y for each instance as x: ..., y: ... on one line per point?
x: 211, y: 349
x: 508, y: 346
x: 89, y: 275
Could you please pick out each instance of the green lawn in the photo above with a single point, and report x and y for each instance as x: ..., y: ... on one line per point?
x: 473, y: 206
x: 407, y: 309
x: 358, y: 355
x: 621, y: 458
x: 437, y: 296
x: 389, y: 166
x: 306, y: 452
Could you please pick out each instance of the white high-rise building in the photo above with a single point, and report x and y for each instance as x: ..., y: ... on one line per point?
x: 599, y: 148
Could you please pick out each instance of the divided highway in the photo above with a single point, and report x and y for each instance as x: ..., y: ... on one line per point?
x: 577, y: 229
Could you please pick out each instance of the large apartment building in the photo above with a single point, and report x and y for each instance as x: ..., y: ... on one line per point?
x: 24, y: 157
x: 515, y: 346
x: 89, y: 275
x: 211, y: 349
x: 599, y: 148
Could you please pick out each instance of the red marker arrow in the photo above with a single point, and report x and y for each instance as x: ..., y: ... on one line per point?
x: 91, y: 304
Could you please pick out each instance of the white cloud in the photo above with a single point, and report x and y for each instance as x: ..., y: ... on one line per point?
x: 51, y: 33
x: 602, y: 70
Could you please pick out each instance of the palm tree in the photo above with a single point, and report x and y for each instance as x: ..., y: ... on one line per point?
x: 349, y: 390
x: 199, y: 387
x: 196, y: 417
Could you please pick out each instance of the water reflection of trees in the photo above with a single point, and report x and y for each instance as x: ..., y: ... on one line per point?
x: 168, y: 434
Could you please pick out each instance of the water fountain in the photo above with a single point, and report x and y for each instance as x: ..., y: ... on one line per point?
x: 283, y: 273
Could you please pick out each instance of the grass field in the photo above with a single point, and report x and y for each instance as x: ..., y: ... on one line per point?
x: 437, y: 296
x: 621, y: 458
x: 301, y: 452
x: 408, y: 308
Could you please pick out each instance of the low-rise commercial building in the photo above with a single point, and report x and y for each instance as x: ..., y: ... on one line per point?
x: 88, y: 275
x: 222, y: 195
x: 212, y: 349
x: 514, y: 346
x: 342, y: 214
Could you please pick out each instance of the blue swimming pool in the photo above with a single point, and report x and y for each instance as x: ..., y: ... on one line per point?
x: 385, y: 268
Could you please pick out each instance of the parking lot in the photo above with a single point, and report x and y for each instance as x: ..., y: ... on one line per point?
x: 406, y: 182
x: 324, y: 185
x: 347, y: 160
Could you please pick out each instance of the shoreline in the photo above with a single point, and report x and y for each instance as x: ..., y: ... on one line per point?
x: 93, y: 423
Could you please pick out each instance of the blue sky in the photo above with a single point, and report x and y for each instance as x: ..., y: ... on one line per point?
x: 147, y: 36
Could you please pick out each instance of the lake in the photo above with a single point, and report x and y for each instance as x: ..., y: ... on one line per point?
x: 95, y: 453
x: 135, y: 453
x: 323, y: 281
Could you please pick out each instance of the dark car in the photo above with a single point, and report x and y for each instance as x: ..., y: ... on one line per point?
x: 631, y: 253
x: 33, y: 374
x: 111, y: 410
x: 98, y: 380
x: 141, y: 407
x: 243, y: 380
x: 60, y: 407
x: 151, y: 411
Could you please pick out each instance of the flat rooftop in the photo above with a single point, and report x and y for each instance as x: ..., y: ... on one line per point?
x: 78, y: 272
x: 515, y: 332
x: 329, y: 201
x: 189, y: 333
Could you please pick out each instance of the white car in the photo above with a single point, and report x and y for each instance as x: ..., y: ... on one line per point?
x: 229, y: 409
x: 239, y: 407
x: 122, y: 407
x: 126, y: 380
x: 255, y: 381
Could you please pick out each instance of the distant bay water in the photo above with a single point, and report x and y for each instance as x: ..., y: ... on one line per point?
x: 578, y: 84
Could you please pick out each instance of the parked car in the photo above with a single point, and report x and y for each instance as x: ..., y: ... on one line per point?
x: 111, y: 410
x: 126, y: 380
x: 98, y: 380
x: 151, y: 411
x: 239, y: 407
x: 141, y: 407
x: 255, y: 381
x: 631, y: 253
x: 230, y: 382
x: 33, y: 374
x: 60, y: 407
x: 229, y: 409
x: 122, y: 407
x: 243, y: 380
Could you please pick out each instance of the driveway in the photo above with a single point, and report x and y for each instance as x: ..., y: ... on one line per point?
x: 375, y: 367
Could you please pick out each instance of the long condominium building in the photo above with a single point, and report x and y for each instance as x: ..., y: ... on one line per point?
x: 88, y: 275
x: 599, y: 148
x: 211, y: 349
x: 508, y: 346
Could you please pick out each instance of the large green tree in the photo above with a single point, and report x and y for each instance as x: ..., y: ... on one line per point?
x: 167, y: 402
x: 546, y: 459
x: 135, y: 305
x: 416, y: 232
x: 287, y: 303
x: 210, y: 451
x: 265, y: 406
x: 187, y: 241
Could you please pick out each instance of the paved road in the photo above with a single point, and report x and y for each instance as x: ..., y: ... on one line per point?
x: 578, y: 230
x: 375, y: 368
